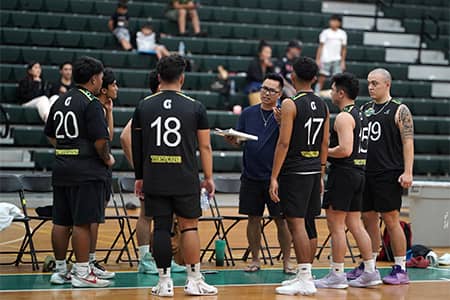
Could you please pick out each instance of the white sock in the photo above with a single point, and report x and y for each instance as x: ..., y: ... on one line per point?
x: 144, y: 249
x: 164, y: 273
x: 193, y: 271
x: 92, y: 257
x: 401, y: 261
x: 369, y: 265
x: 374, y: 256
x: 82, y: 269
x: 61, y: 266
x: 304, y: 270
x: 337, y: 267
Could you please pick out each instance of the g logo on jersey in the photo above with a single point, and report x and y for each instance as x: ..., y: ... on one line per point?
x: 167, y: 104
x: 313, y: 105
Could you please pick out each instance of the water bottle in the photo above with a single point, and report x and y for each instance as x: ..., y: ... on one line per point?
x: 232, y: 87
x: 204, y: 199
x: 181, y: 48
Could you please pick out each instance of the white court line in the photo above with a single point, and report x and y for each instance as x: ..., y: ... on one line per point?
x: 16, y: 240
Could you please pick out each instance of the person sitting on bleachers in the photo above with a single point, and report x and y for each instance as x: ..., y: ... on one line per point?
x: 179, y: 11
x: 65, y: 83
x: 34, y: 91
x: 146, y: 41
x: 118, y: 24
x: 257, y: 70
x: 284, y: 65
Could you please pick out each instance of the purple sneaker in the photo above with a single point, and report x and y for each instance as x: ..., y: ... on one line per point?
x: 397, y: 276
x: 356, y: 272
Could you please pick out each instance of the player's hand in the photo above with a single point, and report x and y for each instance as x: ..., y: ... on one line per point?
x: 139, y: 188
x: 232, y: 140
x: 343, y: 66
x: 273, y: 190
x: 405, y: 180
x: 108, y: 105
x: 111, y: 161
x: 209, y: 185
x: 277, y: 114
x: 62, y: 89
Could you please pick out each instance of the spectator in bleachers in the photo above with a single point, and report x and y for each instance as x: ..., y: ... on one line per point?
x: 332, y: 51
x: 257, y: 70
x: 180, y: 10
x: 147, y: 39
x: 65, y: 83
x: 284, y: 65
x: 118, y: 24
x: 34, y: 91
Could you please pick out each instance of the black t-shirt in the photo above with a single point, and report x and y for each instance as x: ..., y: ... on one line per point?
x: 29, y: 89
x: 57, y: 85
x: 357, y: 159
x: 255, y: 72
x: 285, y: 68
x: 77, y: 120
x: 303, y: 155
x: 164, y: 142
x: 120, y: 20
x: 385, y: 151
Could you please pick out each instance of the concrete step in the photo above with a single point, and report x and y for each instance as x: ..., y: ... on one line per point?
x: 410, y: 56
x: 391, y: 39
x: 349, y: 8
x: 429, y: 73
x: 367, y: 23
x: 440, y: 90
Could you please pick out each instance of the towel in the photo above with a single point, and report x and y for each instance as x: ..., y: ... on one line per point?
x: 8, y: 212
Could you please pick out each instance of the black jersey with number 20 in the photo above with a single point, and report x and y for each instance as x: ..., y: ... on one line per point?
x: 168, y: 122
x: 307, y: 133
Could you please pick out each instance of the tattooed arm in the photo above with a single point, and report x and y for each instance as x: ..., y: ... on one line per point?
x: 103, y: 150
x: 405, y: 125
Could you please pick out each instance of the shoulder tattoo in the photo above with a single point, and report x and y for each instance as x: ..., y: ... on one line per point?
x: 405, y: 121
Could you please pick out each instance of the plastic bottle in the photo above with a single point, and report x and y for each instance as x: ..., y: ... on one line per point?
x: 204, y: 199
x: 232, y: 87
x: 181, y: 48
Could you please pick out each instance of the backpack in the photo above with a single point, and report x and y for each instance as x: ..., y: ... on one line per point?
x: 386, y: 251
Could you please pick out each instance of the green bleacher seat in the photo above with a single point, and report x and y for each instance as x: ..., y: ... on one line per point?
x: 227, y: 161
x: 43, y: 158
x: 5, y: 18
x: 114, y: 59
x: 35, y: 5
x: 426, y: 165
x: 312, y: 20
x: 11, y: 54
x: 225, y: 119
x: 130, y: 97
x: 289, y: 18
x: 218, y: 47
x: 105, y: 8
x: 122, y: 115
x: 141, y: 61
x: 8, y: 93
x: 245, y: 15
x: 134, y: 78
x: 269, y: 4
x: 10, y: 4
x: 23, y: 115
x: 243, y: 31
x: 58, y: 57
x: 219, y: 143
x: 219, y: 30
x: 68, y: 39
x: 267, y: 32
x: 83, y: 7
x: 34, y: 54
x: 93, y: 40
x: 50, y: 21
x: 76, y: 22
x: 23, y: 19
x: 268, y: 17
x: 42, y: 37
x: 291, y: 5
x: 57, y: 5
x: 14, y: 36
x: 237, y: 63
x: 312, y: 6
x: 425, y: 125
x: 30, y: 137
x: 223, y: 14
x: 98, y: 24
x: 243, y: 48
x: 426, y: 144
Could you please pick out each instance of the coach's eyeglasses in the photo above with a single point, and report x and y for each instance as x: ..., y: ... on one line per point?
x: 271, y: 91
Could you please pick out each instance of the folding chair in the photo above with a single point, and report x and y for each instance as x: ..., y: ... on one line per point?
x: 126, y: 185
x: 232, y: 185
x: 12, y: 184
x: 38, y: 184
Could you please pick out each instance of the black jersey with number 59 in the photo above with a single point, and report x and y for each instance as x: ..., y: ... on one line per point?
x: 307, y: 133
x: 169, y: 121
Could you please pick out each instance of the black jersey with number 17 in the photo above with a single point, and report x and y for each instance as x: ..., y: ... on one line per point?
x: 303, y: 155
x: 169, y: 121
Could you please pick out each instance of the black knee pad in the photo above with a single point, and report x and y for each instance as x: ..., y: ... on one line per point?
x: 162, y: 247
x: 310, y: 225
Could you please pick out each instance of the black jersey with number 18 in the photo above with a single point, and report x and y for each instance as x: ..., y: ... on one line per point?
x: 303, y: 155
x: 169, y: 121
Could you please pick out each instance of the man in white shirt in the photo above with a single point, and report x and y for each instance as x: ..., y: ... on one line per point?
x: 330, y: 56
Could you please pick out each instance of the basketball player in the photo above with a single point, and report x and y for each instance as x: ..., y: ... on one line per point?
x: 299, y: 165
x: 343, y: 197
x: 166, y: 129
x: 77, y: 128
x: 389, y: 168
x: 146, y: 261
x: 108, y: 93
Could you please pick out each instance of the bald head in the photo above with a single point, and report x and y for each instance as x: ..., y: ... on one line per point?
x: 379, y: 84
x: 383, y: 73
